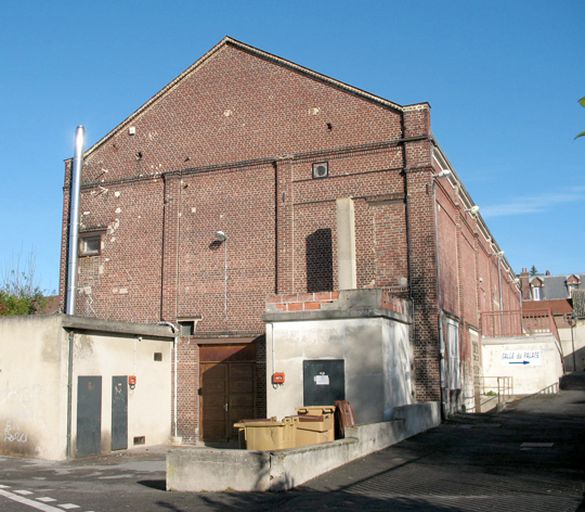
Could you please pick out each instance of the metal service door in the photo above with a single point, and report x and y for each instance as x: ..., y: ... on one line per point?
x: 323, y: 381
x: 89, y: 415
x: 120, y: 413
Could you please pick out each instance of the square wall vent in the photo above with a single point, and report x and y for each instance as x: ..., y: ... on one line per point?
x: 321, y: 170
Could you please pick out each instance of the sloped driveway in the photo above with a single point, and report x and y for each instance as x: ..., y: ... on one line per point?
x: 529, y: 458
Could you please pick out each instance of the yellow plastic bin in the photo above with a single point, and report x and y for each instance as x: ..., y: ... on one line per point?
x: 310, y: 430
x: 267, y: 434
x: 327, y: 412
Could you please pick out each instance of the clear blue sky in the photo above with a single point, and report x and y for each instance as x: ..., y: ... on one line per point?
x: 503, y: 79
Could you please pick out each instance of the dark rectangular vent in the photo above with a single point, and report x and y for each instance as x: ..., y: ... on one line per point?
x: 320, y: 170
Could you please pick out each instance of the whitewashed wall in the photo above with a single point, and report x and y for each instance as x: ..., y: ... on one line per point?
x: 34, y: 381
x: 533, y: 362
x: 377, y: 357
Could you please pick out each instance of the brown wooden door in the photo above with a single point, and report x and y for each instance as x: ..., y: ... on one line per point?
x: 228, y: 393
x: 214, y: 387
x: 242, y: 383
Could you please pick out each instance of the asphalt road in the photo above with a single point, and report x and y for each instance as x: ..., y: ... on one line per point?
x: 530, y: 458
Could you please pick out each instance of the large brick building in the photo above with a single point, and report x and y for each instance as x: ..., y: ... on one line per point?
x: 259, y: 148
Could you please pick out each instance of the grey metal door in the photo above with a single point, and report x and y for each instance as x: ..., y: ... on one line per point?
x: 89, y: 415
x: 323, y: 381
x: 120, y: 413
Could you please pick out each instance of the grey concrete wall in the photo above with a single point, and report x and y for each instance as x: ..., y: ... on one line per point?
x: 540, y: 372
x: 377, y: 357
x: 202, y: 469
x: 574, y: 344
x: 33, y: 387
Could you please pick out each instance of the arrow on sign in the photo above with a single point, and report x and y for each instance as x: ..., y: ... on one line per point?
x: 519, y: 362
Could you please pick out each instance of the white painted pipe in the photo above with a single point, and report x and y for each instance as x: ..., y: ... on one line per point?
x: 74, y: 221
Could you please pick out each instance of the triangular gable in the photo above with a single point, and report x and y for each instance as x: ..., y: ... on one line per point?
x: 573, y: 279
x: 265, y: 55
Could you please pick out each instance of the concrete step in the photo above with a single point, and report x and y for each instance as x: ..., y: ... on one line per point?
x: 574, y: 381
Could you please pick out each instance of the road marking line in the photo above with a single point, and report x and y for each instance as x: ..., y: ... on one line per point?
x: 4, y: 487
x: 23, y: 492
x: 29, y: 502
x: 68, y: 506
x: 46, y: 499
x: 536, y: 445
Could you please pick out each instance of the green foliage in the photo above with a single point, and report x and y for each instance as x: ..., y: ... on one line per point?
x: 582, y: 103
x: 533, y: 271
x: 12, y: 305
x: 19, y: 295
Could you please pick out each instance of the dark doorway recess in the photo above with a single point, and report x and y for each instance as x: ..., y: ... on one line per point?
x: 319, y: 256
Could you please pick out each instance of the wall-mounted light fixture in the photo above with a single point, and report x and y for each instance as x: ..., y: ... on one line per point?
x: 443, y: 174
x: 220, y: 236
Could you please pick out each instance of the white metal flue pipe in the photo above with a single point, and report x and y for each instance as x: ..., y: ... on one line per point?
x: 74, y: 221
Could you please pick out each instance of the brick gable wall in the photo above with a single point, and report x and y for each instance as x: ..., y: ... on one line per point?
x: 231, y: 147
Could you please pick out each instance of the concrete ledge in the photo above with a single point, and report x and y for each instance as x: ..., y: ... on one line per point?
x: 333, y: 314
x: 204, y: 469
x: 78, y: 323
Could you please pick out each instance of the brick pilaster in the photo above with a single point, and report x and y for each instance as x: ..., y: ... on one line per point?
x: 284, y: 227
x: 170, y: 240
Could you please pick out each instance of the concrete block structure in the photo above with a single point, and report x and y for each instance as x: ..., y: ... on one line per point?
x: 362, y: 332
x: 73, y: 387
x: 231, y: 184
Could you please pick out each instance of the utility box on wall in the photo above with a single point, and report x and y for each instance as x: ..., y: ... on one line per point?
x: 323, y: 381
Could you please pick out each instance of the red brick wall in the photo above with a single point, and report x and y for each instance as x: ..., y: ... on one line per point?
x: 235, y: 107
x: 188, y: 386
x: 113, y: 285
x: 241, y: 204
x: 468, y: 271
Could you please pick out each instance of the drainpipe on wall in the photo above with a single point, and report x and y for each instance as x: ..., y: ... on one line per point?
x: 74, y: 220
x: 70, y: 340
x: 174, y: 328
x: 499, y: 256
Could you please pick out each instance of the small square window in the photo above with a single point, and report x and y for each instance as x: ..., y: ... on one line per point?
x: 158, y: 356
x: 187, y: 327
x: 90, y: 244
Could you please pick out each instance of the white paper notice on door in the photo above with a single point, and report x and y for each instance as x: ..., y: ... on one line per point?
x: 321, y: 380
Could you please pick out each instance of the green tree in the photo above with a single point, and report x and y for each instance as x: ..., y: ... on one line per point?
x: 533, y: 271
x: 19, y: 293
x: 582, y: 103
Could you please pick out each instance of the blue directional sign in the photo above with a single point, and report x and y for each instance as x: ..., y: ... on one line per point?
x: 521, y: 357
